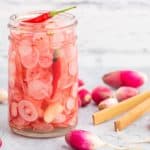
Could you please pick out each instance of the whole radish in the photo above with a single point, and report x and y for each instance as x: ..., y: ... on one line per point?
x: 120, y: 78
x: 126, y: 92
x: 101, y: 93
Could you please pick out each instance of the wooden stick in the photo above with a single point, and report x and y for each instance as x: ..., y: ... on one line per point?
x: 132, y: 115
x: 109, y: 113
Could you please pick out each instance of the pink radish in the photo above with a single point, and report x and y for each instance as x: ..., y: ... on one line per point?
x: 120, y: 78
x: 80, y: 83
x: 84, y: 96
x: 85, y: 140
x: 126, y: 92
x: 101, y: 93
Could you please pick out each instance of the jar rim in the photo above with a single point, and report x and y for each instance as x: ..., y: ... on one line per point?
x: 18, y: 18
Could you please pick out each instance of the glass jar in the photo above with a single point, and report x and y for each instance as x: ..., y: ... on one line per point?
x: 43, y: 74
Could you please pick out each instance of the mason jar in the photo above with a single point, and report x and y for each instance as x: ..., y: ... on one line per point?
x: 43, y: 75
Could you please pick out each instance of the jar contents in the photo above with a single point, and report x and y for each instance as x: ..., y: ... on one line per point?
x: 43, y: 77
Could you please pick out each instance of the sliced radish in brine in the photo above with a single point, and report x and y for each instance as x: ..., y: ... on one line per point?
x: 42, y: 126
x: 74, y: 90
x: 12, y: 68
x: 70, y: 103
x: 33, y: 74
x: 45, y: 61
x: 16, y: 94
x: 27, y: 110
x: 31, y: 60
x: 25, y: 48
x: 19, y: 122
x: 73, y: 120
x: 41, y: 42
x: 52, y: 111
x: 73, y: 68
x: 38, y: 73
x: 70, y: 52
x: 38, y: 89
x: 57, y: 39
x: 13, y: 109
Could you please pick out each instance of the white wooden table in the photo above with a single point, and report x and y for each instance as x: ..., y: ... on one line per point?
x: 112, y: 34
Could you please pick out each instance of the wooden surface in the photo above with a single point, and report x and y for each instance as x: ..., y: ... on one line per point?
x: 112, y: 34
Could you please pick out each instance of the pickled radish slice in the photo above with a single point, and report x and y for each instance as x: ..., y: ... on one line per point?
x: 70, y: 103
x: 41, y: 43
x: 38, y: 89
x: 52, y: 111
x: 12, y: 69
x: 25, y: 48
x: 31, y: 60
x: 73, y: 120
x: 66, y: 80
x: 59, y: 118
x: 45, y: 61
x: 74, y: 90
x: 39, y: 73
x: 42, y: 126
x: 73, y: 68
x: 70, y: 52
x: 33, y: 74
x: 57, y: 39
x: 13, y: 108
x: 16, y: 94
x: 27, y: 110
x: 20, y: 123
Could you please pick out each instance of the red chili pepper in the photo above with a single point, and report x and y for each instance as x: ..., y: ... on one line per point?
x: 43, y: 17
x: 56, y: 74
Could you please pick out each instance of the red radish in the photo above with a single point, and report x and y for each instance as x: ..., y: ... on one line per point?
x: 80, y: 82
x: 120, y: 78
x: 107, y: 103
x: 27, y: 111
x: 100, y: 93
x: 126, y: 92
x: 85, y: 140
x: 84, y: 96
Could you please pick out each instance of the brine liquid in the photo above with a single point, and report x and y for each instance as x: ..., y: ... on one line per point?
x: 42, y: 80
